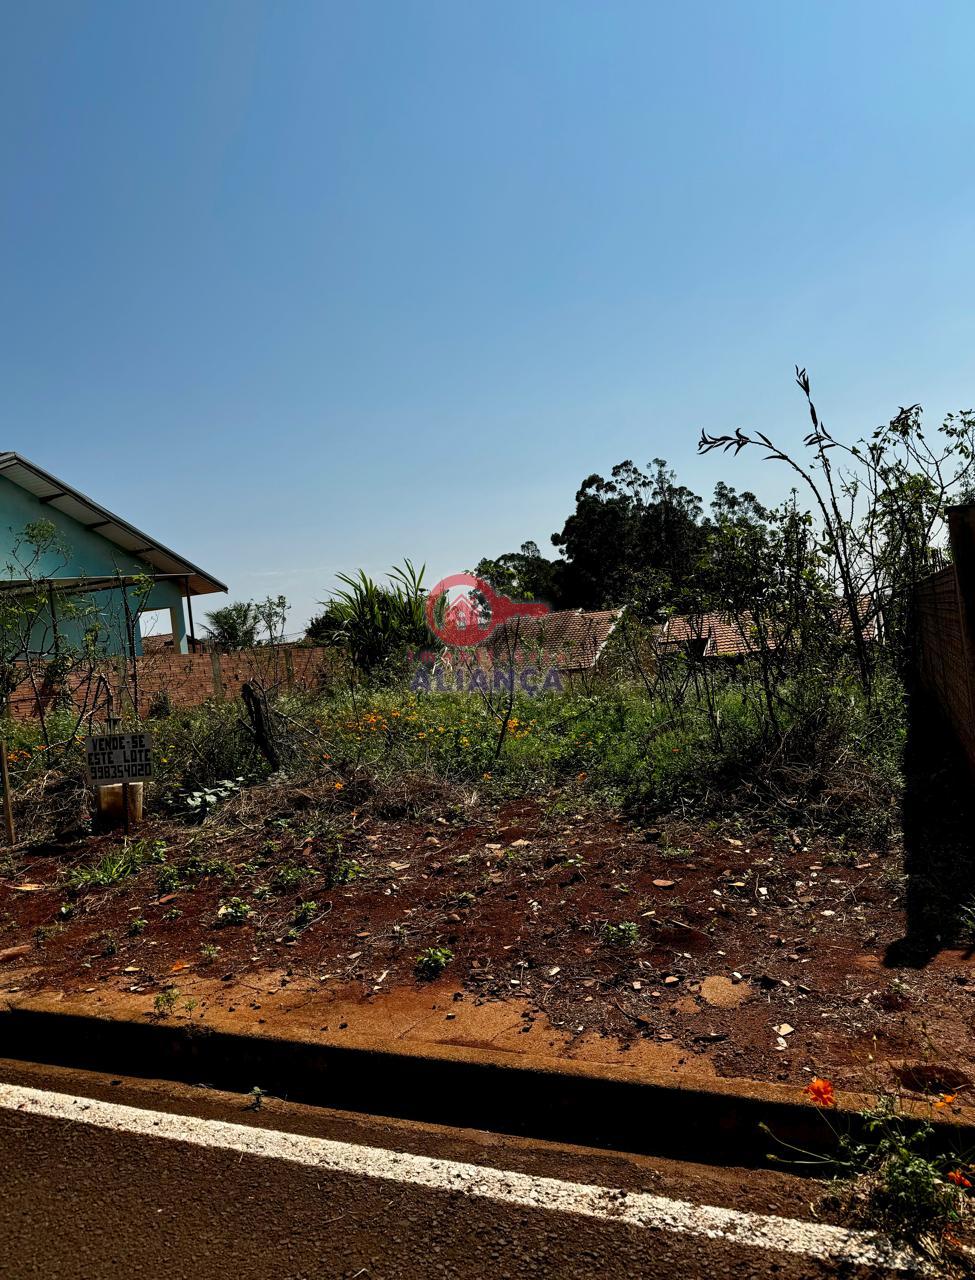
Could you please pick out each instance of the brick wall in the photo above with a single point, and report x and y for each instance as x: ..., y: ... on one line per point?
x: 946, y: 609
x: 946, y: 664
x: 185, y: 679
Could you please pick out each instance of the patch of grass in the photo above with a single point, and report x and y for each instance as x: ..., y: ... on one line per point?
x: 234, y: 911
x: 624, y: 934
x: 196, y: 867
x: 639, y: 753
x: 431, y: 962
x: 111, y: 869
x: 176, y: 875
x: 305, y: 914
x: 840, y: 858
x: 289, y: 878
x: 675, y: 853
x: 117, y: 865
x: 168, y: 880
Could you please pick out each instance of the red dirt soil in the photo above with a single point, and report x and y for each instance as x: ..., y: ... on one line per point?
x: 756, y: 955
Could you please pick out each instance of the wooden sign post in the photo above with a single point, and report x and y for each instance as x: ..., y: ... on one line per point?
x: 119, y: 758
x: 8, y: 808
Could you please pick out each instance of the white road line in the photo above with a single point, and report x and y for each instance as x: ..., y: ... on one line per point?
x: 638, y: 1209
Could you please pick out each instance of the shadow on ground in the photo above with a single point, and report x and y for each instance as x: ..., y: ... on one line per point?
x: 939, y: 842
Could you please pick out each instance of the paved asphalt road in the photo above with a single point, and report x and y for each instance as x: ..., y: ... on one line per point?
x: 127, y: 1178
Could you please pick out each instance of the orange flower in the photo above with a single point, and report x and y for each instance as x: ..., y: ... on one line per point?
x: 945, y: 1100
x: 821, y: 1092
x: 339, y: 786
x: 958, y: 1178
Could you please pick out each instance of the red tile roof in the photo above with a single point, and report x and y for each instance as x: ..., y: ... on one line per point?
x: 724, y: 636
x: 721, y: 635
x: 572, y: 639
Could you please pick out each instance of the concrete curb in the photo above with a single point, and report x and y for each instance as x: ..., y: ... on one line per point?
x: 599, y: 1106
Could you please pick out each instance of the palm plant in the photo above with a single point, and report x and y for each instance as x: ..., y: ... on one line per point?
x: 377, y: 623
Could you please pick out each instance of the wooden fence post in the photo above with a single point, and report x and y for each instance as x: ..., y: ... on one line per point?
x: 8, y: 809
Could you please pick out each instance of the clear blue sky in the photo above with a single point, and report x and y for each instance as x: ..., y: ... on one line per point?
x: 301, y: 287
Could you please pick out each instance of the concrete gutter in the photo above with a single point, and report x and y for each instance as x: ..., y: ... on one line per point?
x: 716, y: 1121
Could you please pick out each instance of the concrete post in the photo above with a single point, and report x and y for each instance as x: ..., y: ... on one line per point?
x: 218, y: 689
x: 177, y: 622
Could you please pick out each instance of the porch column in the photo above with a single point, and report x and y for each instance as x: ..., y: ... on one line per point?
x: 177, y: 621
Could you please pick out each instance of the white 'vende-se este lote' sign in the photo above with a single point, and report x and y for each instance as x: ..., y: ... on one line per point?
x: 119, y: 757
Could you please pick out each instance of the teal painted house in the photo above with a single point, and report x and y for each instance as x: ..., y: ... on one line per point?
x: 81, y: 573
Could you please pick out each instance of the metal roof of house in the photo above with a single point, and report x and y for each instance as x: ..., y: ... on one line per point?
x: 77, y: 506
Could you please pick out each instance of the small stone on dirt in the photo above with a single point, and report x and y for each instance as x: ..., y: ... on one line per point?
x: 723, y: 993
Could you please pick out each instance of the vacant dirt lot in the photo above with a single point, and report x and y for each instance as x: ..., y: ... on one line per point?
x: 734, y: 952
